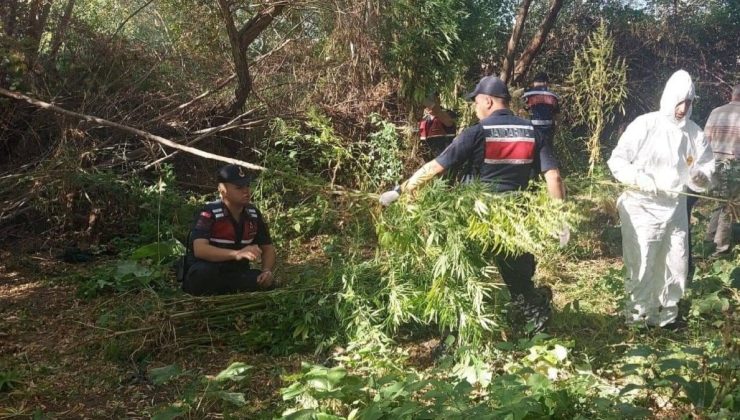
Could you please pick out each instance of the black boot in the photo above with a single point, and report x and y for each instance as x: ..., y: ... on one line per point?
x: 531, y: 312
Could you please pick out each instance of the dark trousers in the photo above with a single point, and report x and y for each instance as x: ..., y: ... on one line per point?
x: 208, y: 278
x: 547, y: 133
x: 690, y: 201
x: 517, y: 272
x: 431, y: 148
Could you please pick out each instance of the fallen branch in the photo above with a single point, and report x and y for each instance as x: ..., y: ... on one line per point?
x: 228, y: 126
x: 205, y: 94
x: 334, y: 189
x: 141, y: 133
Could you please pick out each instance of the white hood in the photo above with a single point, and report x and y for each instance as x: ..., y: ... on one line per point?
x: 678, y: 89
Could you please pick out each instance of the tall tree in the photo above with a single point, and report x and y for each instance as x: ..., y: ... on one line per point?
x: 58, y: 37
x: 25, y: 21
x: 512, y: 72
x: 240, y: 39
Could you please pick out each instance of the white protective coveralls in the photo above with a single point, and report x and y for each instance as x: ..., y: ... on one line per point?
x: 659, y: 152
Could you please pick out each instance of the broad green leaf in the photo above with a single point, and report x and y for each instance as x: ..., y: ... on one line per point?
x: 128, y: 267
x: 293, y: 391
x: 701, y: 394
x: 538, y: 383
x: 632, y: 412
x: 170, y: 412
x: 235, y: 398
x: 235, y: 372
x: 630, y: 387
x: 671, y: 364
x: 305, y: 414
x: 336, y: 374
x: 325, y: 416
x: 159, y: 250
x: 163, y: 374
x: 393, y: 391
x: 321, y: 384
x: 676, y: 379
x: 641, y: 351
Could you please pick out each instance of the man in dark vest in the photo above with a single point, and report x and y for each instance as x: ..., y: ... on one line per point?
x: 543, y: 105
x: 505, y: 149
x: 229, y: 234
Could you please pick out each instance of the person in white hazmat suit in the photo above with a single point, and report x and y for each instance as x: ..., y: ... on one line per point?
x: 661, y: 154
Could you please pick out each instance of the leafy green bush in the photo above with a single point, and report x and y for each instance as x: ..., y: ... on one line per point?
x: 201, y: 393
x: 9, y: 380
x: 162, y: 210
x: 379, y: 158
x: 434, y: 263
x: 147, y: 267
x: 106, y: 205
x: 538, y: 381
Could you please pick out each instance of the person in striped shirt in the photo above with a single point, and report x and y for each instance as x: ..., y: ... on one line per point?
x: 722, y: 130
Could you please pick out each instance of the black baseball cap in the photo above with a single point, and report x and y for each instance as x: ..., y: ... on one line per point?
x: 491, y: 86
x: 541, y: 78
x: 234, y: 174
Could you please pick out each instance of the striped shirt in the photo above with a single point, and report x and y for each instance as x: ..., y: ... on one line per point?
x: 723, y: 131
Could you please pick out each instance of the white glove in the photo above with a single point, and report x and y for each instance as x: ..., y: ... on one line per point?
x: 646, y: 183
x: 388, y: 197
x: 698, y: 178
x: 564, y: 236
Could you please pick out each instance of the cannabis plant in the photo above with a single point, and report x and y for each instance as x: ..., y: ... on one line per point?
x: 434, y: 260
x: 599, y: 82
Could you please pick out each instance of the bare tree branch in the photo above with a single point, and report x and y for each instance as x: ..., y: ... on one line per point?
x: 239, y: 55
x: 125, y: 21
x: 240, y: 39
x: 525, y: 60
x: 207, y: 133
x: 254, y: 27
x: 141, y: 133
x: 195, y: 100
x: 516, y: 34
x: 37, y: 18
x: 58, y: 37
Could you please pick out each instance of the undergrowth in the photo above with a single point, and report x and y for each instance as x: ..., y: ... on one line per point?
x: 367, y: 288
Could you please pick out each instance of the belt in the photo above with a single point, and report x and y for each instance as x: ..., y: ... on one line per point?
x: 541, y: 122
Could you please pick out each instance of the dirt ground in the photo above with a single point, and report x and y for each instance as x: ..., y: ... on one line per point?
x: 60, y: 364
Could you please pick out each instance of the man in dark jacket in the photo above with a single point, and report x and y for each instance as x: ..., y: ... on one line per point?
x: 543, y: 106
x: 505, y: 149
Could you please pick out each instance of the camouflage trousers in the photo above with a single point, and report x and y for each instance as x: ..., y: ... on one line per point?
x: 727, y: 174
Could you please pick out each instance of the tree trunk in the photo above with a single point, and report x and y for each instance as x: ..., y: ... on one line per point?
x: 525, y: 60
x: 239, y: 55
x: 252, y: 29
x: 516, y: 34
x: 59, y: 33
x: 240, y: 41
x: 9, y: 11
x: 37, y: 17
